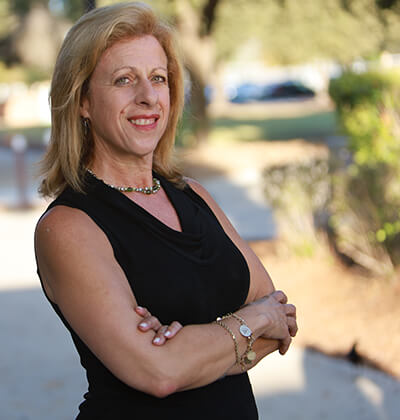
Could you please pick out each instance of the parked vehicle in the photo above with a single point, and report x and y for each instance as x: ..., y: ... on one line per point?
x: 249, y: 92
x: 289, y: 89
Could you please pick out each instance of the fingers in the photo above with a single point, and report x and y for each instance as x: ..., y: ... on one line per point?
x: 162, y: 332
x: 166, y: 333
x: 292, y: 325
x: 150, y: 323
x: 290, y: 310
x: 142, y: 311
x: 279, y: 296
x: 159, y: 338
x: 284, y: 345
x: 173, y: 329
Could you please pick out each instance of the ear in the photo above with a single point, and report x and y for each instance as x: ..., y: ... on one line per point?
x: 84, y: 107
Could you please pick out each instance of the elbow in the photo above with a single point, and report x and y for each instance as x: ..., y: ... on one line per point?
x: 156, y: 379
x: 159, y: 384
x: 163, y: 388
x: 155, y: 386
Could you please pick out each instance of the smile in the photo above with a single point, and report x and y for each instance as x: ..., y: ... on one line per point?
x: 143, y: 121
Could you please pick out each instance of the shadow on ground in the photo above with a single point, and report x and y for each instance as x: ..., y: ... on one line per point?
x: 41, y: 378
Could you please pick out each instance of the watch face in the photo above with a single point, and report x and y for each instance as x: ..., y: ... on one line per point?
x: 245, y: 330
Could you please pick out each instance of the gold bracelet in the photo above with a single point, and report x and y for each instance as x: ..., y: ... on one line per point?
x: 250, y: 355
x: 219, y: 322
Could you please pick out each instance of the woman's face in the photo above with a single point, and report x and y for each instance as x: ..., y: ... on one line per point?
x: 128, y: 99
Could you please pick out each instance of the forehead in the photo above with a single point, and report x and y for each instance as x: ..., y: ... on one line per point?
x: 140, y: 51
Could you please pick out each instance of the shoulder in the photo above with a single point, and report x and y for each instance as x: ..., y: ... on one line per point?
x: 200, y: 190
x: 62, y: 227
x: 62, y: 219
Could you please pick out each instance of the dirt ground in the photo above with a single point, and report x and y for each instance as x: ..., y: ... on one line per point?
x: 337, y: 306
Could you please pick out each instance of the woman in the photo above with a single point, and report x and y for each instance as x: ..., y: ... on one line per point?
x: 126, y: 229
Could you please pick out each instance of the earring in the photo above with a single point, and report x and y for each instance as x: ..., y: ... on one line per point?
x: 86, y: 126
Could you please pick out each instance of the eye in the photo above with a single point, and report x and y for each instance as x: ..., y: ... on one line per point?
x: 159, y: 79
x: 122, y: 81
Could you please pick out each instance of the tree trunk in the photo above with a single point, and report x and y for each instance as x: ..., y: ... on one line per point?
x: 199, y: 50
x: 198, y: 107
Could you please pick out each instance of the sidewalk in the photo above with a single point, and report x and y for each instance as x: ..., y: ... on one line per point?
x: 40, y: 375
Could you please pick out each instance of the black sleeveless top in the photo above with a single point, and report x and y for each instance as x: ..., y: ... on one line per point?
x: 191, y: 276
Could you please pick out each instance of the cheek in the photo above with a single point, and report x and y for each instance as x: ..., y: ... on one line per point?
x: 165, y: 99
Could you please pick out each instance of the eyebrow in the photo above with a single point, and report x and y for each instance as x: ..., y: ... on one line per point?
x: 133, y: 68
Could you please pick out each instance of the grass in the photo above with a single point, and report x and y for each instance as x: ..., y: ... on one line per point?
x: 313, y: 126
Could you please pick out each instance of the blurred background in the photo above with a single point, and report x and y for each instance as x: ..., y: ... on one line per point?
x: 292, y: 122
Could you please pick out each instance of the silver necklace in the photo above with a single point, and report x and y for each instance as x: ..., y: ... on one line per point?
x: 145, y: 190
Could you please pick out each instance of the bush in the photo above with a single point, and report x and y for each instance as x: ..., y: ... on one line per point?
x: 368, y: 109
x: 366, y: 195
x: 298, y: 193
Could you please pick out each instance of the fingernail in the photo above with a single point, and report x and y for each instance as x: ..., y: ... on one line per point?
x: 143, y: 324
x: 157, y: 340
x: 139, y: 307
x: 167, y: 333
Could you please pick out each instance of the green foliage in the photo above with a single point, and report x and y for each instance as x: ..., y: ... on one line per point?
x: 366, y: 199
x: 6, y: 18
x: 73, y: 9
x: 297, y: 31
x: 28, y: 75
x: 368, y: 106
x: 22, y: 7
x: 365, y: 217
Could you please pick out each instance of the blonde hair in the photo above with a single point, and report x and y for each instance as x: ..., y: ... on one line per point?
x: 70, y: 146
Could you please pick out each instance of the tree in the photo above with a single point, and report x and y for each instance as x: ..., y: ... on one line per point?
x: 288, y: 31
x: 195, y: 21
x: 89, y: 4
x: 33, y: 37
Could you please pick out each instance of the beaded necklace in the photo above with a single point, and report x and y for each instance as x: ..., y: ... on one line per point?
x: 145, y: 190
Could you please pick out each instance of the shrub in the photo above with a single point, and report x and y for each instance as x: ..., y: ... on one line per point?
x: 366, y: 195
x: 298, y: 193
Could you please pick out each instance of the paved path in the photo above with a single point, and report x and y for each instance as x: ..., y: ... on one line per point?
x: 40, y: 376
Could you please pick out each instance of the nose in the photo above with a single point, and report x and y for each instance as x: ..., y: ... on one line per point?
x: 146, y: 94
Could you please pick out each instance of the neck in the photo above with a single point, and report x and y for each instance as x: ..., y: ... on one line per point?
x: 147, y: 190
x: 123, y: 173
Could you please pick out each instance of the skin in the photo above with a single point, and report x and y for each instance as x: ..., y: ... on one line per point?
x: 77, y: 264
x: 130, y: 80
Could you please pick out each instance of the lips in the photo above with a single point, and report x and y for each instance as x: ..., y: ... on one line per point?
x: 144, y: 121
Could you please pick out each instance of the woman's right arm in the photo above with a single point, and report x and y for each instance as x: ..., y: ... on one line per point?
x: 82, y: 277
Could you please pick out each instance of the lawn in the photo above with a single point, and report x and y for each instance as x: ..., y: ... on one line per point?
x: 311, y: 127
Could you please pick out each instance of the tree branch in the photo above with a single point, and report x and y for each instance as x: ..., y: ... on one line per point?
x: 208, y: 16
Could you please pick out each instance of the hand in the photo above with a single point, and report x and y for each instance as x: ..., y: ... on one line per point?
x: 280, y: 319
x: 162, y: 332
x: 283, y: 314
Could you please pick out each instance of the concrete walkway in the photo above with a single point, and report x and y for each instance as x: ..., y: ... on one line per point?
x: 40, y: 375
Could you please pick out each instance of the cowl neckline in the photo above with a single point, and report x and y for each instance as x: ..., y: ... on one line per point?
x: 191, y: 242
